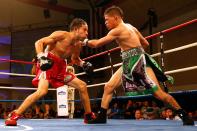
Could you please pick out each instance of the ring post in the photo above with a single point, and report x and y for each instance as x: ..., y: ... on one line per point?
x: 162, y: 59
x: 112, y: 69
x: 71, y: 95
x: 65, y: 98
x: 62, y: 101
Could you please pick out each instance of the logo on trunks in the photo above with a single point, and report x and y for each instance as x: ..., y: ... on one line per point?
x: 67, y: 78
x: 62, y: 106
x: 61, y: 93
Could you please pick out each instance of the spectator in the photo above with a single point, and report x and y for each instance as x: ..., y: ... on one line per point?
x: 38, y: 111
x: 28, y: 114
x: 129, y: 111
x: 190, y: 114
x: 163, y: 114
x: 151, y: 114
x: 122, y: 111
x: 2, y: 110
x: 170, y: 115
x: 115, y: 112
x: 156, y: 109
x: 7, y: 111
x: 195, y: 115
x: 139, y: 104
x: 144, y: 109
x: 138, y: 115
x: 78, y: 113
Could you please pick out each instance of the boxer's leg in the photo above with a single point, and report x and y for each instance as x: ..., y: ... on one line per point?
x: 82, y: 87
x: 113, y: 83
x: 40, y: 92
x: 167, y: 98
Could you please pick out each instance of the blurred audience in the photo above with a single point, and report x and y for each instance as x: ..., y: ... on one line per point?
x: 115, y: 112
x: 170, y: 115
x: 138, y: 110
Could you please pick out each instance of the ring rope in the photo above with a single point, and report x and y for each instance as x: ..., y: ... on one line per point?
x: 167, y: 72
x: 176, y: 49
x: 181, y: 70
x: 117, y: 48
x: 21, y: 88
x: 190, y: 92
x: 17, y: 61
x: 114, y: 49
x: 154, y: 55
x: 119, y: 64
x: 116, y: 65
x: 147, y: 37
x: 16, y: 74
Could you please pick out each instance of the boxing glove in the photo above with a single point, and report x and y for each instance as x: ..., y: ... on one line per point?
x: 87, y: 67
x: 45, y: 63
x: 85, y: 42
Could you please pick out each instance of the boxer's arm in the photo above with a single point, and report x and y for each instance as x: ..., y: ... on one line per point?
x: 46, y: 63
x: 52, y: 39
x: 33, y: 70
x: 143, y: 41
x: 111, y: 36
x: 75, y: 59
x: 87, y: 66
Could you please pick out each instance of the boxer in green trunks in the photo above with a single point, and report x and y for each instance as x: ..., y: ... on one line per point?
x: 139, y: 74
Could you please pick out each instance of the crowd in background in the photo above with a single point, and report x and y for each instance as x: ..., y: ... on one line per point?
x: 139, y: 110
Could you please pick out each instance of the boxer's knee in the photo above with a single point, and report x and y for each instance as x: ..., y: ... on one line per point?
x: 41, y: 93
x: 108, y: 88
x: 82, y: 87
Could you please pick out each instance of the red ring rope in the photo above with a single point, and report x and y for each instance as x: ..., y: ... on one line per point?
x: 117, y: 48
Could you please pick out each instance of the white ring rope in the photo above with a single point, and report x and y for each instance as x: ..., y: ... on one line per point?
x: 16, y: 74
x: 100, y: 84
x: 108, y: 67
x: 181, y: 70
x: 176, y: 49
x: 52, y: 89
x: 154, y: 55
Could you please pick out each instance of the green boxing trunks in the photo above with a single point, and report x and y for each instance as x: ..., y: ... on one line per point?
x: 134, y: 77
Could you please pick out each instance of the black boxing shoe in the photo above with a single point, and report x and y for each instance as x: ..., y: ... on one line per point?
x: 187, y: 121
x: 101, y: 117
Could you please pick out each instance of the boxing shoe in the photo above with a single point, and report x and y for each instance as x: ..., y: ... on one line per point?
x: 185, y: 118
x: 12, y: 119
x: 101, y: 117
x: 88, y: 117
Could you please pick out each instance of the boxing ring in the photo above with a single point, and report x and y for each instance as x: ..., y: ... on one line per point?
x: 115, y: 125
x: 112, y: 124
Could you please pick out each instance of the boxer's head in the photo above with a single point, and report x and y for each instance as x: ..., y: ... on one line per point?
x: 80, y: 27
x: 113, y: 15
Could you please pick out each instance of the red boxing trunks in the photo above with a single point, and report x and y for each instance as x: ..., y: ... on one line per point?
x: 57, y: 75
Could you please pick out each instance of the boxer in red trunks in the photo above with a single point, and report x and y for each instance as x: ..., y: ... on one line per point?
x: 51, y: 67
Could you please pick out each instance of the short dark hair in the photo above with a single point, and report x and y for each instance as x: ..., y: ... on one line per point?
x: 76, y: 23
x: 114, y: 10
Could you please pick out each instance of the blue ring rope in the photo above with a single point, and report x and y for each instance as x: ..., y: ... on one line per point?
x: 179, y: 93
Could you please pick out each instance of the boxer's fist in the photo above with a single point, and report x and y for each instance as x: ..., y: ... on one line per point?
x: 85, y: 42
x: 88, y: 68
x: 45, y: 63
